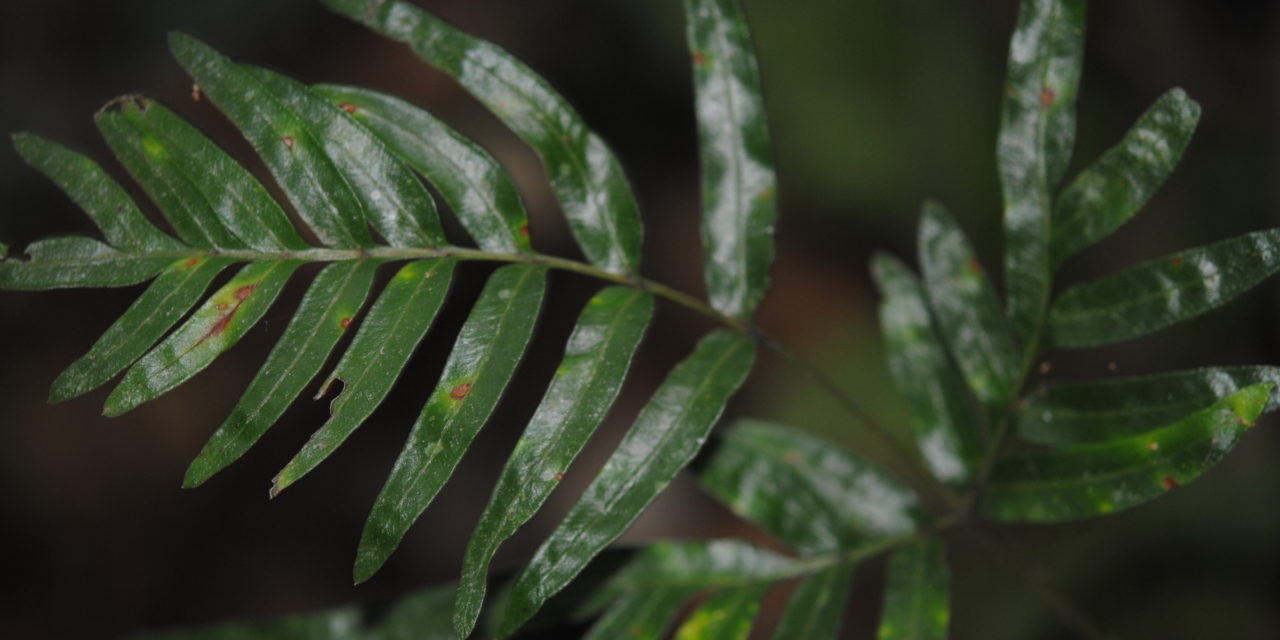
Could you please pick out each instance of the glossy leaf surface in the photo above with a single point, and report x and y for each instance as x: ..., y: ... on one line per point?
x: 643, y: 614
x: 807, y: 492
x: 165, y: 301
x: 1162, y: 292
x: 967, y: 309
x: 476, y: 187
x: 947, y: 434
x: 596, y: 359
x: 1103, y: 410
x: 217, y: 325
x: 379, y: 352
x: 666, y: 435
x: 584, y: 173
x: 329, y: 307
x: 1112, y: 189
x: 102, y: 198
x: 72, y: 261
x: 283, y: 139
x: 738, y: 184
x: 725, y: 615
x: 1087, y: 480
x: 817, y: 605
x: 484, y: 358
x: 917, y: 597
x: 1037, y: 133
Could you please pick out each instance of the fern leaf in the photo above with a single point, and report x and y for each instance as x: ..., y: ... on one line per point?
x: 585, y: 175
x: 483, y: 360
x: 738, y: 184
x: 217, y: 325
x: 586, y: 383
x: 817, y: 605
x: 327, y: 310
x: 666, y: 435
x: 382, y: 346
x: 725, y: 615
x: 57, y: 263
x: 478, y: 190
x: 917, y: 597
x: 1037, y: 133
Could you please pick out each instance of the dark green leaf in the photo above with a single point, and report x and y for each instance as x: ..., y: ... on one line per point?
x: 395, y: 202
x: 584, y: 173
x: 387, y: 337
x: 1162, y: 292
x: 947, y: 434
x: 476, y: 187
x: 644, y: 614
x: 1037, y: 133
x: 917, y: 597
x: 217, y: 325
x: 483, y: 360
x: 726, y: 615
x: 967, y: 309
x: 97, y: 194
x: 666, y: 435
x: 1109, y: 192
x: 1103, y: 410
x: 284, y: 141
x: 420, y: 616
x: 595, y: 363
x: 809, y: 493
x: 333, y: 624
x: 58, y: 263
x: 1086, y: 480
x: 817, y: 605
x: 165, y: 301
x: 738, y: 185
x: 330, y: 305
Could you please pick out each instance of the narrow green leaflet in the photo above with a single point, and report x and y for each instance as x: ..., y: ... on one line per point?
x: 1037, y: 133
x: 584, y: 173
x: 423, y: 615
x: 57, y: 263
x: 178, y: 153
x: 642, y: 614
x: 666, y: 435
x: 1162, y: 292
x: 967, y: 309
x: 102, y: 198
x: 725, y: 615
x: 917, y: 597
x: 395, y: 201
x: 483, y: 360
x: 596, y: 359
x: 152, y: 164
x: 947, y: 434
x: 1112, y: 189
x: 807, y: 492
x: 738, y: 184
x: 1072, y: 482
x: 1103, y: 410
x: 217, y: 325
x: 817, y: 605
x: 165, y: 301
x: 480, y: 192
x: 283, y: 139
x: 386, y: 339
x: 327, y: 310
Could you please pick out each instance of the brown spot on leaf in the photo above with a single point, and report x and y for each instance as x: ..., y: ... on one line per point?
x: 1047, y: 96
x: 245, y: 291
x: 766, y: 193
x: 559, y: 476
x: 793, y: 458
x: 191, y: 262
x: 1008, y: 90
x: 196, y: 93
x: 699, y: 58
x: 348, y: 107
x: 1044, y: 367
x: 524, y: 230
x: 1176, y: 261
x: 288, y: 141
x: 1154, y: 446
x: 1169, y: 483
x: 974, y: 267
x: 1112, y: 366
x: 459, y: 392
x: 345, y: 323
x: 564, y: 138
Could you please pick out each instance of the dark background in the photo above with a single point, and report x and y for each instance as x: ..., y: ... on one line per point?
x: 874, y: 105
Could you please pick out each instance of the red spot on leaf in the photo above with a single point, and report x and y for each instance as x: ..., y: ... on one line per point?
x: 288, y: 141
x: 345, y: 323
x: 974, y: 267
x: 1047, y: 97
x: 245, y: 291
x: 699, y: 58
x: 191, y: 262
x: 348, y: 107
x: 524, y: 230
x: 559, y: 477
x: 1154, y: 446
x: 459, y: 392
x: 766, y: 193
x: 1176, y: 261
x: 196, y: 93
x: 1169, y: 483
